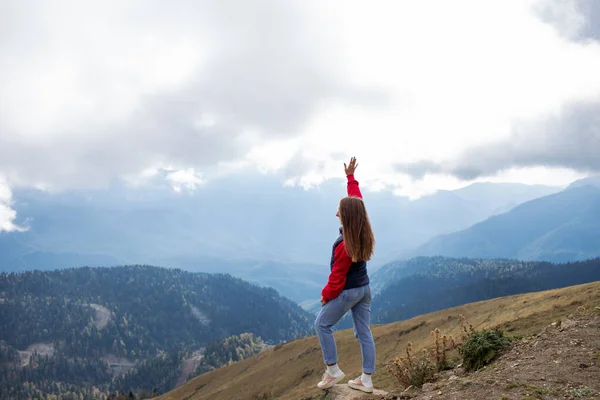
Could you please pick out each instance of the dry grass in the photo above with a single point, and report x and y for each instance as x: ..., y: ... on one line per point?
x: 291, y: 371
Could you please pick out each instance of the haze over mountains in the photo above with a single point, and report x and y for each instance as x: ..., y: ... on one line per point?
x: 564, y: 226
x: 249, y: 226
x: 255, y: 229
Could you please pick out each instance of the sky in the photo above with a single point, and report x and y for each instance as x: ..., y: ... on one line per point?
x: 427, y: 95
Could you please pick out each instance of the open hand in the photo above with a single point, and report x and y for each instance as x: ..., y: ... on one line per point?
x: 350, y: 168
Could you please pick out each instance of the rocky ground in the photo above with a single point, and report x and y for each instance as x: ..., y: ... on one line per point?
x: 561, y: 362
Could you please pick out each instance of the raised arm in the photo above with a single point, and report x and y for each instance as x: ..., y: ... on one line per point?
x: 353, y: 189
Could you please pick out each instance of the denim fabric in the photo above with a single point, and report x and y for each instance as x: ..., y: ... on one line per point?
x: 358, y: 301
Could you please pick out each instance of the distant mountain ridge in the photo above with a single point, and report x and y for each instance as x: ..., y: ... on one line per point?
x: 559, y: 227
x: 590, y: 181
x: 248, y: 226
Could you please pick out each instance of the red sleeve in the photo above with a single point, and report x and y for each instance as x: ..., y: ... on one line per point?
x: 337, y: 277
x: 353, y: 189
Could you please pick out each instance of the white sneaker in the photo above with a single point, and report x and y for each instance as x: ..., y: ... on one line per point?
x: 328, y: 381
x: 358, y: 385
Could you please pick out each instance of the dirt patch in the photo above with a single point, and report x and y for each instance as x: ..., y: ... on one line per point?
x: 43, y: 349
x: 119, y: 365
x: 561, y: 362
x: 203, y: 318
x: 102, y: 316
x: 189, y: 365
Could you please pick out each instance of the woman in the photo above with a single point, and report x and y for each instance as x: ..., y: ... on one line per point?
x: 348, y: 288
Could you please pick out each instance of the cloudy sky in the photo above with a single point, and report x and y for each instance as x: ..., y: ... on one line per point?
x: 428, y: 95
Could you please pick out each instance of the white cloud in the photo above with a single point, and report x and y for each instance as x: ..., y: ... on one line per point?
x: 463, y: 77
x: 94, y: 91
x: 574, y: 19
x: 185, y: 179
x: 7, y: 214
x: 106, y: 89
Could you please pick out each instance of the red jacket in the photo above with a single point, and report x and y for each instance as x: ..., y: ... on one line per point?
x: 342, y: 261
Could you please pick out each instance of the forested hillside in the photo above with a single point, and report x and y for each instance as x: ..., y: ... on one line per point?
x: 405, y: 289
x: 89, y: 326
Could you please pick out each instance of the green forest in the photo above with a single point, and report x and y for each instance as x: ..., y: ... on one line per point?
x: 425, y: 284
x: 129, y: 328
x: 234, y: 348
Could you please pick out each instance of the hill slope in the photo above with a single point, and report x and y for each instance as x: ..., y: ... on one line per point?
x: 559, y: 227
x: 89, y: 320
x: 291, y: 371
x: 560, y: 362
x: 405, y: 289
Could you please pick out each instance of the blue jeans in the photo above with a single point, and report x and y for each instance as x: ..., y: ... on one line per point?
x: 359, y: 301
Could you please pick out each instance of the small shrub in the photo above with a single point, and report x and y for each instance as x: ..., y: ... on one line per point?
x: 410, y: 371
x: 422, y: 373
x: 416, y: 371
x: 466, y: 328
x: 443, y: 343
x: 481, y: 347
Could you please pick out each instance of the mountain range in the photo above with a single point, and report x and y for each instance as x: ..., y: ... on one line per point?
x: 249, y: 226
x: 560, y: 227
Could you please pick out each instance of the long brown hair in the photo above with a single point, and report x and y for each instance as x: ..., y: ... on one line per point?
x: 356, y: 228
